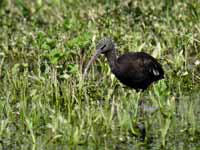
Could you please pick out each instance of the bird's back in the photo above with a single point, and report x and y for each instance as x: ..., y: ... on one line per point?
x: 138, y: 70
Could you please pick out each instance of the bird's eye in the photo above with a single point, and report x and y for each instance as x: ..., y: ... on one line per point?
x: 103, y: 47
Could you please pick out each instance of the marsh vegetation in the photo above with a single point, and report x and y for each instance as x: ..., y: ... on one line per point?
x: 44, y: 47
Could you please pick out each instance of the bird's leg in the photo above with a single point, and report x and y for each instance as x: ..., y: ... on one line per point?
x: 141, y: 124
x: 141, y: 106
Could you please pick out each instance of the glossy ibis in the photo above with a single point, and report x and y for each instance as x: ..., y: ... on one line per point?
x: 134, y: 69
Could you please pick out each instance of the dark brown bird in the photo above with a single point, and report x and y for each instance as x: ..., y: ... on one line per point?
x: 134, y: 69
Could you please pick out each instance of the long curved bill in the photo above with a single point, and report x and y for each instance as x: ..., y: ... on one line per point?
x: 94, y: 57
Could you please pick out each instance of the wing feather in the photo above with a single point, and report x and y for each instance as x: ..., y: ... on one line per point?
x: 138, y: 69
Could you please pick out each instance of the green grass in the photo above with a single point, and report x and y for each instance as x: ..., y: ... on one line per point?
x: 44, y: 47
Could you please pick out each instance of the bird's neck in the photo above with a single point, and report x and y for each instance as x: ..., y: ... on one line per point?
x: 112, y: 59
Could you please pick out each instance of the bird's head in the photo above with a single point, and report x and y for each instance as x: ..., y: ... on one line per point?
x: 104, y: 46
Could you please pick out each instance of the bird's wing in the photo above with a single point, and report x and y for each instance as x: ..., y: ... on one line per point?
x: 139, y: 66
x: 153, y: 67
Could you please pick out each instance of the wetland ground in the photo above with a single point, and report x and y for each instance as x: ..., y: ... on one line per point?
x: 45, y: 104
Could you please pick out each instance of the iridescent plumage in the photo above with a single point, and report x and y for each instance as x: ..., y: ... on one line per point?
x: 134, y: 69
